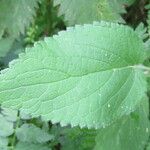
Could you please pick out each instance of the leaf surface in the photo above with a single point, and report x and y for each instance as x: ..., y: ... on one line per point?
x: 84, y: 76
x: 3, y: 143
x: 6, y: 127
x: 15, y: 15
x: 87, y: 11
x: 32, y: 134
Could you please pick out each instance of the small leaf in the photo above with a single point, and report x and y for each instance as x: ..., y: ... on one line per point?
x: 6, y: 127
x: 77, y: 139
x: 9, y: 114
x: 85, y: 76
x: 141, y: 31
x: 32, y: 134
x: 25, y: 116
x: 3, y: 143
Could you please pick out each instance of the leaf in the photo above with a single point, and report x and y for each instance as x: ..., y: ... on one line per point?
x: 141, y: 31
x: 3, y: 143
x: 32, y: 134
x: 16, y: 48
x: 27, y: 146
x: 25, y: 116
x: 15, y: 15
x: 83, y: 76
x: 6, y: 127
x: 87, y: 11
x: 9, y: 114
x: 7, y: 118
x: 5, y: 45
x: 131, y: 132
x: 77, y: 139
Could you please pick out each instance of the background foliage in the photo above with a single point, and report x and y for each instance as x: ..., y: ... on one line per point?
x: 22, y: 23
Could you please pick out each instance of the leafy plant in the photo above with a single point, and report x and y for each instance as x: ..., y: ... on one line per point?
x: 86, y: 87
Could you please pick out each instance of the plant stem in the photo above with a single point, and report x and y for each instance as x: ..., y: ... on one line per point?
x: 14, y: 136
x: 142, y: 67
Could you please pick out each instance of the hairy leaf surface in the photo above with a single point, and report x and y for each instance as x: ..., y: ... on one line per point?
x: 15, y: 15
x: 85, y: 76
x: 87, y: 11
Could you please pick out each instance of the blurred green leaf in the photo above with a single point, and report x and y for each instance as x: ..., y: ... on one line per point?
x: 3, y: 143
x: 5, y: 45
x: 32, y: 134
x: 6, y: 127
x: 15, y: 15
x: 131, y: 132
x: 87, y: 11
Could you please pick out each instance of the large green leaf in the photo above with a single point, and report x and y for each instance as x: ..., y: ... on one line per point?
x: 85, y: 76
x: 131, y: 132
x: 87, y: 11
x: 15, y: 15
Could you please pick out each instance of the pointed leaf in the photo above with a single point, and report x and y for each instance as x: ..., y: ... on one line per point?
x: 85, y: 76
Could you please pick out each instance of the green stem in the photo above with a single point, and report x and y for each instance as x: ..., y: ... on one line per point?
x: 144, y: 68
x: 14, y: 136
